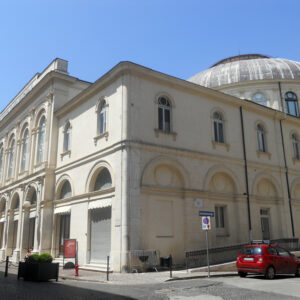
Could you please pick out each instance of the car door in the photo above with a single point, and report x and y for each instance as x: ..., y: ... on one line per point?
x: 284, y: 260
x: 275, y: 259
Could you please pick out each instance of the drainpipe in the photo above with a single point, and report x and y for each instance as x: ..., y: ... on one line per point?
x: 285, y: 164
x: 246, y: 175
x: 280, y: 96
x: 287, y: 180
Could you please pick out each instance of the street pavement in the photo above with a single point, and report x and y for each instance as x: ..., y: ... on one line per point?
x: 151, y: 286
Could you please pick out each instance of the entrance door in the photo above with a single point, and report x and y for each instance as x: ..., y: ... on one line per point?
x: 64, y: 232
x: 265, y: 228
x: 31, y: 233
x: 100, y: 234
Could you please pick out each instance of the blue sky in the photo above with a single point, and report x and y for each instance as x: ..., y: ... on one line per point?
x: 179, y: 38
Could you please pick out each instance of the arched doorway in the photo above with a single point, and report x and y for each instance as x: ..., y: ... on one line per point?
x: 100, y: 219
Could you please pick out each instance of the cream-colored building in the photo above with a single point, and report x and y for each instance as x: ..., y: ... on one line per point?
x: 127, y: 162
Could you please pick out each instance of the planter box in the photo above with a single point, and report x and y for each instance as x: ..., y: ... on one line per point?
x: 38, y: 271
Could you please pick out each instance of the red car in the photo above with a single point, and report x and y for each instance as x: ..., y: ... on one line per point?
x: 267, y: 259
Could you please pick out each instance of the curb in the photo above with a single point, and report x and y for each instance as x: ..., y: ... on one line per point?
x: 201, y: 276
x: 80, y: 279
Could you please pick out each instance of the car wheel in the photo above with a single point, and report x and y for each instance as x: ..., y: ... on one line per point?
x: 270, y: 273
x: 297, y: 274
x: 242, y: 274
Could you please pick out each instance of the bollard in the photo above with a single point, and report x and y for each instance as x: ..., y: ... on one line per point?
x: 76, y: 270
x: 6, y: 267
x: 170, y: 265
x: 107, y: 269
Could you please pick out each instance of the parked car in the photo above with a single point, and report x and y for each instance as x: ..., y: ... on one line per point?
x: 261, y: 257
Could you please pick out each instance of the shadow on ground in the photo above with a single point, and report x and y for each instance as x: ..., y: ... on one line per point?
x: 12, y: 288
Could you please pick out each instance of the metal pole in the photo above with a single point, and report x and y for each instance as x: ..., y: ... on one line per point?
x: 246, y: 176
x: 170, y: 264
x: 107, y: 269
x: 6, y: 267
x: 207, y: 256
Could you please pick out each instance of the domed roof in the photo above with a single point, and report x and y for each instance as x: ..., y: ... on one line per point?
x: 246, y: 68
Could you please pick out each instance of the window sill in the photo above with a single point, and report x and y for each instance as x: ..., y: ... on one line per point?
x: 66, y: 153
x: 218, y: 144
x: 261, y: 153
x: 100, y: 136
x: 159, y: 131
x: 296, y: 160
x: 222, y: 232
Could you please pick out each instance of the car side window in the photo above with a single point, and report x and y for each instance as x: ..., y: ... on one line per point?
x: 282, y: 252
x: 272, y: 251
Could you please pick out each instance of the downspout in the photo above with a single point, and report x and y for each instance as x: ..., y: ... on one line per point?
x: 246, y: 175
x: 285, y: 164
x: 287, y: 179
x: 280, y: 96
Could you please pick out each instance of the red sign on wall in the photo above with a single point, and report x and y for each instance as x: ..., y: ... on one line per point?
x: 70, y: 249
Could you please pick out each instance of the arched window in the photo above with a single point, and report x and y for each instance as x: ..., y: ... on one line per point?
x: 102, y: 117
x: 41, y: 140
x: 67, y: 134
x: 1, y: 162
x: 164, y: 114
x: 33, y: 198
x: 103, y: 180
x: 66, y: 190
x: 16, y: 202
x: 295, y: 146
x: 11, y: 155
x: 218, y: 127
x: 261, y: 138
x: 2, y: 206
x: 291, y: 103
x: 24, y: 150
x: 260, y: 99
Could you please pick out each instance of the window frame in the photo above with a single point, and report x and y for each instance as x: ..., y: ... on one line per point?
x: 291, y: 98
x: 221, y: 220
x: 261, y: 138
x: 260, y: 102
x: 67, y: 137
x: 24, y: 156
x: 102, y: 116
x: 164, y: 111
x: 218, y: 127
x: 11, y: 158
x: 40, y: 153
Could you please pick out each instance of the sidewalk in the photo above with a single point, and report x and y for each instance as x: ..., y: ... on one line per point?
x: 133, y: 278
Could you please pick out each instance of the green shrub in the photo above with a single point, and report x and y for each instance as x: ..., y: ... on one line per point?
x: 33, y: 258
x: 45, y: 258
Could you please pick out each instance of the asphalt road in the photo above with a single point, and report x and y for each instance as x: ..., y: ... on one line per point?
x: 195, y: 289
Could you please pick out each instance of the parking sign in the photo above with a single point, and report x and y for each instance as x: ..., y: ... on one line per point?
x: 206, y: 223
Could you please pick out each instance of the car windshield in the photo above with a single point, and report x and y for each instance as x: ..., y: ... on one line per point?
x: 251, y: 251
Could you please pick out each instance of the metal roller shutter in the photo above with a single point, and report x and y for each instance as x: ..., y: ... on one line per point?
x: 100, y: 234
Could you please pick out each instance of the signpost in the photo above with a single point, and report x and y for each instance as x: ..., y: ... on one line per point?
x: 70, y: 250
x: 206, y: 225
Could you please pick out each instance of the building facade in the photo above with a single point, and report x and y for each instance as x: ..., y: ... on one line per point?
x: 126, y: 163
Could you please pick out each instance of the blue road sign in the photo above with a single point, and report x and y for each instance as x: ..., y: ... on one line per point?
x: 203, y: 213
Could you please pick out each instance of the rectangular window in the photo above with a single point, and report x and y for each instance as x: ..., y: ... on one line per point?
x: 220, y: 217
x: 221, y: 221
